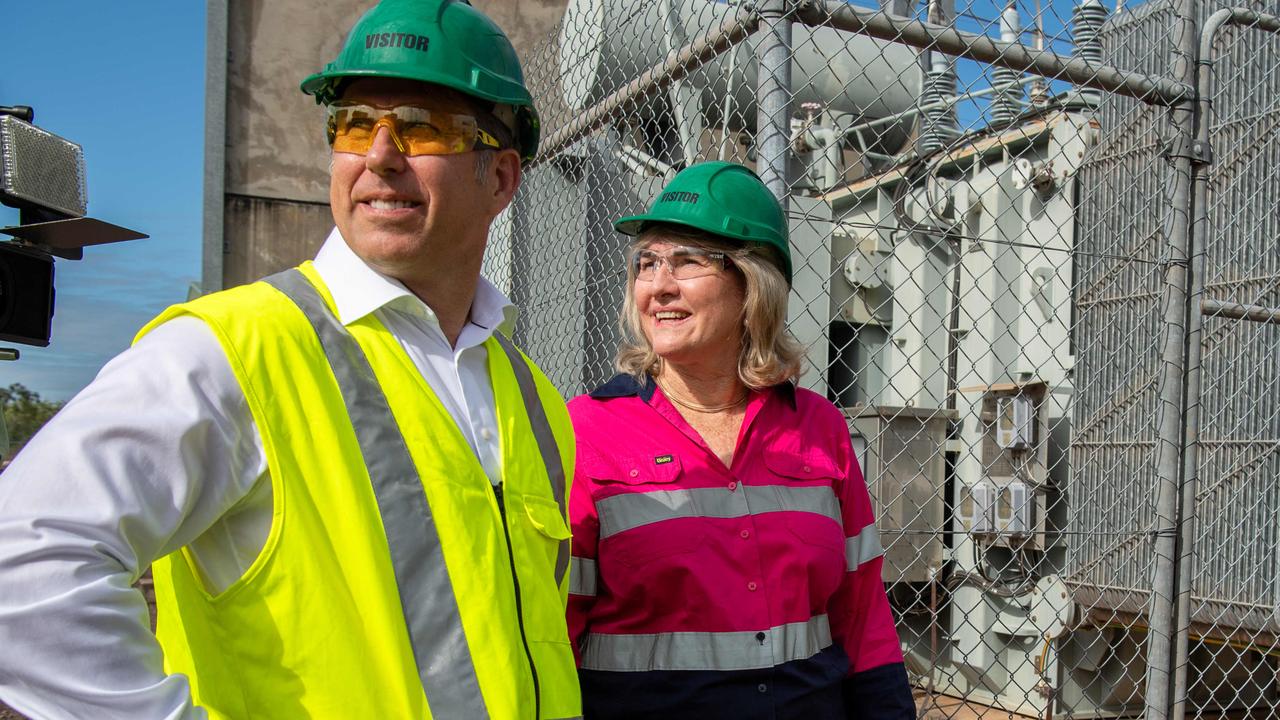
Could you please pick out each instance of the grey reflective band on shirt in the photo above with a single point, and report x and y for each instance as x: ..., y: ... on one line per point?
x: 545, y: 438
x: 582, y: 576
x: 738, y: 650
x: 863, y: 547
x: 623, y: 512
x: 426, y: 593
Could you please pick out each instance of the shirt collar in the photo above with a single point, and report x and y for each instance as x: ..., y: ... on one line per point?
x: 786, y: 391
x: 358, y: 290
x: 622, y: 385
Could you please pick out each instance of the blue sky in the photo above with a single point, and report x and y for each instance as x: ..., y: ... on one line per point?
x: 125, y: 80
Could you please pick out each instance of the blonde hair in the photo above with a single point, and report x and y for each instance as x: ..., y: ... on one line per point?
x: 769, y: 354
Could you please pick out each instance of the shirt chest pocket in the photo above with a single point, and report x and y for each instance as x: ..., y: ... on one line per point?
x: 809, y: 493
x: 645, y: 513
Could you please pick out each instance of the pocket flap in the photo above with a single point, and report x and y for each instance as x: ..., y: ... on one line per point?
x: 635, y: 469
x: 545, y: 516
x: 800, y: 466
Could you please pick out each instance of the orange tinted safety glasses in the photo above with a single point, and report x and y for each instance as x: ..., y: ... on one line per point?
x: 415, y: 130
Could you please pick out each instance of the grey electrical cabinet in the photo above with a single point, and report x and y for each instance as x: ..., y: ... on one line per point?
x: 901, y: 450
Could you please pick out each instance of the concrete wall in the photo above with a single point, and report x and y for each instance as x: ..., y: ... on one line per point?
x: 526, y: 22
x: 273, y: 202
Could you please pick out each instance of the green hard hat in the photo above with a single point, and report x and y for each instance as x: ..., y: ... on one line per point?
x: 721, y: 198
x: 446, y: 42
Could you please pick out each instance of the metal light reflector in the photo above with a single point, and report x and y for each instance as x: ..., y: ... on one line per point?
x: 38, y: 168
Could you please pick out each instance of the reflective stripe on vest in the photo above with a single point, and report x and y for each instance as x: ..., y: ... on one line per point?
x: 863, y: 547
x: 422, y: 579
x: 620, y: 513
x: 545, y: 438
x: 739, y: 650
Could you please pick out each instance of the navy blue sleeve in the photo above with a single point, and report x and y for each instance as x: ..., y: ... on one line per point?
x: 881, y: 693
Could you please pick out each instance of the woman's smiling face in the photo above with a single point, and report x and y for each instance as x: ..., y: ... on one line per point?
x: 685, y: 320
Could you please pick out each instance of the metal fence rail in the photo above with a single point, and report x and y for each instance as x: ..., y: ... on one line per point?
x: 1048, y: 312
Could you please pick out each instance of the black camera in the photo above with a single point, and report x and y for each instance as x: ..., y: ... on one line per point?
x: 43, y: 176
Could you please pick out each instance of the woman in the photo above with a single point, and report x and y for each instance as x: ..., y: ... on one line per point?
x: 725, y: 558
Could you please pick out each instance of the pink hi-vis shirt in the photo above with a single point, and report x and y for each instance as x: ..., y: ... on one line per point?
x: 704, y: 591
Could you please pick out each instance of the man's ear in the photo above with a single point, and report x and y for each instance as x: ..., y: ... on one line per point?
x: 505, y: 175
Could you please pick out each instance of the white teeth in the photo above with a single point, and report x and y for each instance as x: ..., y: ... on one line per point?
x: 390, y: 204
x: 669, y: 315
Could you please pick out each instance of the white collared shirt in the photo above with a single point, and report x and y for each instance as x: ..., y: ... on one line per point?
x: 160, y: 452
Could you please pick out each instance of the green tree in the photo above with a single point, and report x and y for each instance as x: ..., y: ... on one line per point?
x: 24, y: 413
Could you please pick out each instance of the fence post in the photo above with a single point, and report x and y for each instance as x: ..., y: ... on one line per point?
x: 1196, y: 309
x: 1166, y: 581
x: 1191, y: 438
x: 773, y: 120
x: 1191, y: 450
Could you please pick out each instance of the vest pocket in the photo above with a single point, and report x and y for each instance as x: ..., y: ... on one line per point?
x: 545, y: 517
x: 547, y: 544
x: 543, y: 537
x: 557, y: 678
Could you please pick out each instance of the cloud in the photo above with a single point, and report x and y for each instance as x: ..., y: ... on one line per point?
x: 101, y: 304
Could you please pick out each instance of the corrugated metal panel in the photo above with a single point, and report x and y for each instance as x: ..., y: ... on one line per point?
x: 1122, y: 214
x: 1117, y: 331
x: 1238, y: 500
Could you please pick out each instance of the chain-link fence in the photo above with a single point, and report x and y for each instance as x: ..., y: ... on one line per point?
x: 1058, y: 370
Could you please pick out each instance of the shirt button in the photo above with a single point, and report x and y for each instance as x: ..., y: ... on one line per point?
x: 751, y: 586
x: 733, y: 484
x: 806, y: 468
x: 745, y: 534
x: 762, y: 687
x: 486, y: 434
x: 634, y: 472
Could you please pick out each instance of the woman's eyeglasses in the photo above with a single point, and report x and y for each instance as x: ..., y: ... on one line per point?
x: 684, y: 263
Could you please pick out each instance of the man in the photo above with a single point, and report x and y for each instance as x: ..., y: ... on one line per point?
x: 350, y: 483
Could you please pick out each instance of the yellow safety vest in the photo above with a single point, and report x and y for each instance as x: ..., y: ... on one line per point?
x: 371, y: 597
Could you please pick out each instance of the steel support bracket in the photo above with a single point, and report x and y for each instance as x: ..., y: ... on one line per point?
x: 779, y: 8
x: 1197, y: 151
